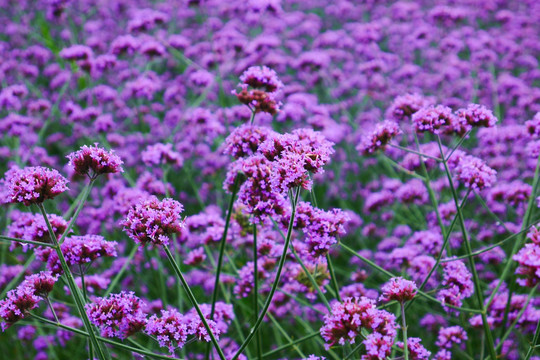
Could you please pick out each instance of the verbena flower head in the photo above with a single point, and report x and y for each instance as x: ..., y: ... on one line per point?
x: 41, y: 283
x: 79, y: 250
x: 406, y: 105
x: 474, y: 173
x: 349, y: 317
x: 245, y: 140
x: 34, y: 185
x: 118, y: 315
x: 398, y: 289
x: 25, y: 297
x: 451, y: 335
x: 27, y: 226
x: 170, y: 329
x: 259, y: 89
x: 416, y: 350
x: 154, y: 221
x: 528, y: 259
x: 159, y: 154
x: 94, y: 161
x: 261, y: 77
x: 432, y: 119
x: 378, y: 138
x: 475, y: 116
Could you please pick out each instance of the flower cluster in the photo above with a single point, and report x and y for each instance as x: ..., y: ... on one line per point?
x: 398, y: 289
x: 94, y: 161
x: 118, y: 315
x: 25, y: 297
x: 347, y: 320
x: 378, y: 138
x: 153, y: 221
x: 259, y: 89
x: 34, y: 185
x: 78, y: 250
x: 457, y: 282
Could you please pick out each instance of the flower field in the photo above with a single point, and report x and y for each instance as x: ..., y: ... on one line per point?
x: 270, y: 179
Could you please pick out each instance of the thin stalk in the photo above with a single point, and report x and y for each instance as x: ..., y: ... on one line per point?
x: 86, y: 192
x: 416, y: 152
x: 49, y: 304
x: 122, y: 270
x: 26, y: 241
x: 390, y: 275
x: 534, y: 343
x: 439, y: 257
x: 328, y: 259
x: 354, y: 351
x: 511, y: 328
x: 290, y: 344
x: 276, y: 280
x: 518, y: 244
x: 466, y: 240
x: 102, y: 339
x: 72, y: 286
x: 404, y: 329
x: 256, y: 287
x: 193, y: 301
x: 222, y: 248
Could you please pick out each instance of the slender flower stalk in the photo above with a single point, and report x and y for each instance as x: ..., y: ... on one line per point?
x: 256, y: 288
x: 294, y: 202
x: 193, y: 301
x: 404, y: 329
x: 328, y: 262
x: 222, y: 248
x: 119, y: 345
x: 389, y: 274
x: 476, y: 279
x: 122, y: 271
x: 102, y: 355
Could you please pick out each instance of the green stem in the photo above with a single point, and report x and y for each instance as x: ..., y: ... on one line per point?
x: 390, y: 275
x: 256, y: 288
x: 121, y: 272
x: 276, y: 280
x: 290, y: 344
x: 404, y: 329
x: 104, y: 340
x: 466, y: 240
x: 518, y: 244
x: 222, y: 248
x: 86, y: 192
x: 26, y: 241
x: 532, y: 347
x: 72, y: 286
x: 193, y: 301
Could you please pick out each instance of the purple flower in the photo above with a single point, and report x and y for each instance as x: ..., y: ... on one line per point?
x: 170, y: 329
x: 27, y: 226
x: 261, y: 77
x: 158, y: 154
x: 349, y: 317
x: 432, y: 118
x: 245, y: 140
x: 25, y: 297
x: 474, y: 173
x: 416, y: 350
x: 76, y: 52
x: 153, y: 221
x: 475, y: 116
x: 405, y: 106
x: 378, y: 138
x: 80, y: 250
x: 119, y: 315
x: 34, y: 185
x: 398, y: 289
x: 94, y: 161
x: 451, y: 335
